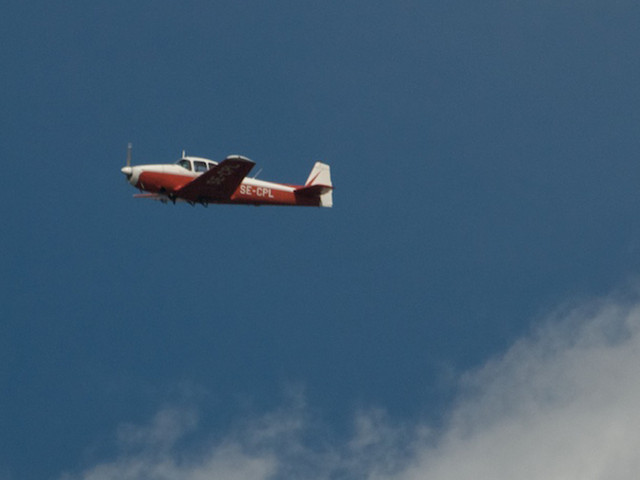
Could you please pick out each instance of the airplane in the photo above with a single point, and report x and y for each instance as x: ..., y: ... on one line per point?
x: 197, y: 180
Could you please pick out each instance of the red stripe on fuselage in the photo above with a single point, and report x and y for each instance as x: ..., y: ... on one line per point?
x: 162, y: 182
x: 270, y: 195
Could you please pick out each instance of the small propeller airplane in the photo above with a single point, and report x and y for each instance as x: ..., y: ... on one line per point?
x: 200, y: 180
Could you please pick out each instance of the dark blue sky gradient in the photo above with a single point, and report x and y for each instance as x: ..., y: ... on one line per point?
x: 484, y: 157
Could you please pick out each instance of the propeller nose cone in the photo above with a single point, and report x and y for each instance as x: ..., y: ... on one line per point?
x: 128, y: 171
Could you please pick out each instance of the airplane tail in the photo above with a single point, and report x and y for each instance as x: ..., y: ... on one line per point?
x: 319, y: 184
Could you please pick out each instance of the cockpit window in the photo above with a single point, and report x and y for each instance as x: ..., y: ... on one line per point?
x: 185, y: 163
x: 200, y: 166
x: 211, y: 165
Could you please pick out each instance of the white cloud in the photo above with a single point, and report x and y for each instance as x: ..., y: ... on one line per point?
x: 167, y: 427
x: 563, y: 403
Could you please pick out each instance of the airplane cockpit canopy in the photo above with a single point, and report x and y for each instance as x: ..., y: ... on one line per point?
x: 196, y: 164
x: 200, y: 166
x: 183, y: 162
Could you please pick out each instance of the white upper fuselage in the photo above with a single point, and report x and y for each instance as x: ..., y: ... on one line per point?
x: 189, y: 167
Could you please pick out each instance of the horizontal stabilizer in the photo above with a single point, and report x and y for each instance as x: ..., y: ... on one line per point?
x: 313, y: 190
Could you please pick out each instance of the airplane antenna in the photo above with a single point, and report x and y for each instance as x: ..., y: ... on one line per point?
x: 129, y: 146
x: 256, y: 175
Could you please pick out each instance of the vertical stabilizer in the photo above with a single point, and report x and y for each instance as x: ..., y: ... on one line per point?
x: 320, y: 177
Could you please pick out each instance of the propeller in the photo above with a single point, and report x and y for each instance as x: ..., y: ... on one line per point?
x: 127, y: 169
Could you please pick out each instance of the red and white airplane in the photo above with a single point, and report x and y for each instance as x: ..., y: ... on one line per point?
x: 200, y: 180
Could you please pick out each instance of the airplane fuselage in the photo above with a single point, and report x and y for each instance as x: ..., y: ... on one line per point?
x: 164, y: 182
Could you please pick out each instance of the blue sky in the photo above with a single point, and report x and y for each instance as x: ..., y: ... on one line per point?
x: 483, y: 243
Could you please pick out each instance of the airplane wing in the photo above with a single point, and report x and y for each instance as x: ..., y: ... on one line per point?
x: 152, y: 196
x: 219, y: 183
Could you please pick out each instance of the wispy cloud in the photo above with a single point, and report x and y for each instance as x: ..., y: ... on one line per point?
x: 563, y: 403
